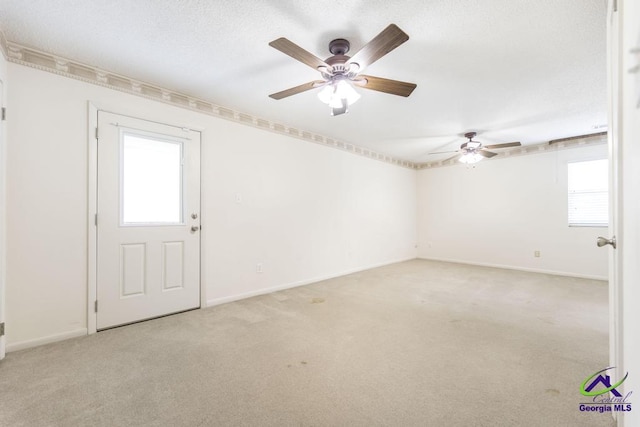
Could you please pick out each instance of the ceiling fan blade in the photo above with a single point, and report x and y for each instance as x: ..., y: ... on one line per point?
x: 389, y: 39
x: 508, y: 144
x: 454, y: 158
x: 487, y: 154
x: 443, y: 152
x: 298, y: 89
x: 296, y: 52
x: 394, y: 87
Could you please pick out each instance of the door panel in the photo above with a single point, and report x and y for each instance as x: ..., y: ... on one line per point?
x: 132, y: 267
x: 148, y: 204
x: 172, y: 265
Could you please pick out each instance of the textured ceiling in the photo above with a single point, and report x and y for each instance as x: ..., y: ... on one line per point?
x: 513, y: 70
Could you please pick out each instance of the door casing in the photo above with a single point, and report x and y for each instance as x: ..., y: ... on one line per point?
x: 92, y: 197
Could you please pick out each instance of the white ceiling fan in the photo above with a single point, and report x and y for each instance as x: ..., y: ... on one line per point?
x: 474, y: 151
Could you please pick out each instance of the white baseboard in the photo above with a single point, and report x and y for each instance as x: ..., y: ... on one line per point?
x: 21, y: 345
x: 263, y: 291
x: 511, y: 267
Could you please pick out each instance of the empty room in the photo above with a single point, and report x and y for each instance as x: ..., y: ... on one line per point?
x: 283, y: 213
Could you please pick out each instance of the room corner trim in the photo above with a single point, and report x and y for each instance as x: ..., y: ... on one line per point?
x: 43, y: 61
x: 3, y: 45
x: 564, y: 144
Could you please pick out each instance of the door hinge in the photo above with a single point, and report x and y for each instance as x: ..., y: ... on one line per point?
x: 95, y: 306
x: 96, y: 132
x: 4, y: 113
x: 95, y: 220
x: 2, y: 329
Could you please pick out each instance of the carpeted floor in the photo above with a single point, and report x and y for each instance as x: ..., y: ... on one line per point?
x: 418, y: 343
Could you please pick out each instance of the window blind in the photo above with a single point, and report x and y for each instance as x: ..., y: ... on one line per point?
x: 588, y: 193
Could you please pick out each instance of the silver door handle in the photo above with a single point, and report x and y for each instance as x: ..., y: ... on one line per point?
x: 195, y: 228
x: 604, y: 241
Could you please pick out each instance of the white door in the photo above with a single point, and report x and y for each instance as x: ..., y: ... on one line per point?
x: 630, y: 201
x: 624, y: 128
x: 615, y: 301
x: 3, y: 235
x: 148, y: 220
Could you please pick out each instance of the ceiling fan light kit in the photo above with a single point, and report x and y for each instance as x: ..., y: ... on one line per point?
x: 340, y: 72
x: 340, y: 94
x: 470, y: 158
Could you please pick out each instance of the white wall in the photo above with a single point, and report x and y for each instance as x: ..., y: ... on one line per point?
x: 307, y: 211
x: 503, y: 210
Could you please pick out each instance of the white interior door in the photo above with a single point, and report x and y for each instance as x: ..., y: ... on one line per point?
x: 615, y: 301
x: 148, y: 220
x: 624, y: 131
x: 626, y: 100
x: 2, y: 228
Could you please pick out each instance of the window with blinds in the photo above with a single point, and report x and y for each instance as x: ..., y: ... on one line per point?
x: 588, y: 190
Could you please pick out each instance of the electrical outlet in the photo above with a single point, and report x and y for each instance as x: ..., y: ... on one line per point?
x: 259, y: 267
x: 536, y: 254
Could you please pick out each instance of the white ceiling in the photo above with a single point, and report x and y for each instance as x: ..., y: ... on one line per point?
x: 513, y: 70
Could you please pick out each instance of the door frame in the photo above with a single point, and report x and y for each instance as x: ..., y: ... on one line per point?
x: 3, y: 228
x: 92, y: 210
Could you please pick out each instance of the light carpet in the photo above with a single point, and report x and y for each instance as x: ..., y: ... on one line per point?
x: 418, y: 343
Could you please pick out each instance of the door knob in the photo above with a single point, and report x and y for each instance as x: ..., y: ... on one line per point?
x: 603, y: 241
x: 195, y: 228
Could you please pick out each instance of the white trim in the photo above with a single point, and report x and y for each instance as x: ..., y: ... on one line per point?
x: 203, y: 230
x: 43, y: 61
x: 512, y: 267
x: 3, y: 219
x: 575, y: 142
x: 92, y: 231
x: 3, y: 45
x: 22, y: 345
x: 263, y: 291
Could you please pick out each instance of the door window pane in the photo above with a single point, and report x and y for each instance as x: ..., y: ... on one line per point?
x: 151, y: 180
